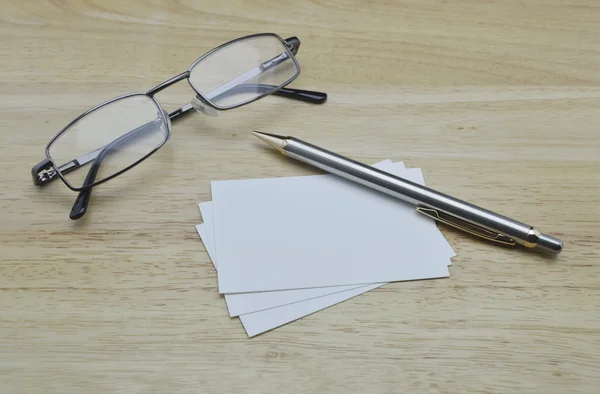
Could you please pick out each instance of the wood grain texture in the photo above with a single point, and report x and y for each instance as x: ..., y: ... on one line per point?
x: 497, y: 101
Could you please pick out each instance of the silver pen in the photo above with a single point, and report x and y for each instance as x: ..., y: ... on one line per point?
x: 438, y: 206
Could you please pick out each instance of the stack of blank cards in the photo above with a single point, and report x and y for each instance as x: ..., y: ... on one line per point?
x: 285, y: 248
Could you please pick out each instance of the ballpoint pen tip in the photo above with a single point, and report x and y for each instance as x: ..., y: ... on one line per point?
x: 276, y: 141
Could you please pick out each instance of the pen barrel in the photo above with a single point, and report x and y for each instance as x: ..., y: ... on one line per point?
x: 418, y: 195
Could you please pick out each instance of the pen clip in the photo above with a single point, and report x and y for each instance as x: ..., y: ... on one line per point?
x: 466, y: 226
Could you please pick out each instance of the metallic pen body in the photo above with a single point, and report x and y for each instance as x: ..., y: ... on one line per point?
x: 439, y: 206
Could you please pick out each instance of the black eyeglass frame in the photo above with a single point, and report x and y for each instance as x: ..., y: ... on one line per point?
x: 46, y: 170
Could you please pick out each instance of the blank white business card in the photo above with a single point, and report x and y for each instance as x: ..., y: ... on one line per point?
x: 315, y: 231
x: 259, y: 322
x: 244, y: 303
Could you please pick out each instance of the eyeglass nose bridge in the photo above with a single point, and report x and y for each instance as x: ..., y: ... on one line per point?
x: 167, y: 83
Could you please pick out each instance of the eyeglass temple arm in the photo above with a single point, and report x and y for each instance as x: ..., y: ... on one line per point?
x: 308, y: 96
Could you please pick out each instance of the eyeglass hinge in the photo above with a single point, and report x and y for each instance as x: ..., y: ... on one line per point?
x: 47, y: 176
x: 43, y: 172
x: 293, y: 44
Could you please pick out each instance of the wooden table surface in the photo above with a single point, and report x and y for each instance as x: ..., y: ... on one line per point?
x: 497, y: 101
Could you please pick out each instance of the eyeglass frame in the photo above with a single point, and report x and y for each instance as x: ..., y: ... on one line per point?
x: 46, y: 170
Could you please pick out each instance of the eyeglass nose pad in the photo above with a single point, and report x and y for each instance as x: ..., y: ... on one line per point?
x: 166, y: 116
x: 203, y: 108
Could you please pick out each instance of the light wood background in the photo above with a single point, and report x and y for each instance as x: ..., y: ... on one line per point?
x: 497, y: 101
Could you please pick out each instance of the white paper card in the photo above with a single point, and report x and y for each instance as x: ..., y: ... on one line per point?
x: 243, y: 303
x: 344, y: 247
x: 259, y: 322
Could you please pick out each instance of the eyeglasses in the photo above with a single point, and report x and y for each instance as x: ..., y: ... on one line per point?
x: 119, y: 134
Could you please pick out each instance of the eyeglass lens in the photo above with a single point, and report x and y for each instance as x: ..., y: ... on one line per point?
x: 243, y: 70
x: 117, y: 134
